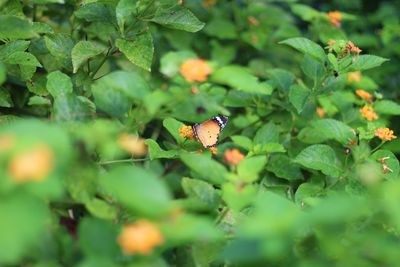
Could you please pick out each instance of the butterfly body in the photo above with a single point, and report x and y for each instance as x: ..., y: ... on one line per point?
x: 207, y: 132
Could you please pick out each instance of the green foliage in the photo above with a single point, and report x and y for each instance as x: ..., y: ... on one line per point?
x: 96, y: 136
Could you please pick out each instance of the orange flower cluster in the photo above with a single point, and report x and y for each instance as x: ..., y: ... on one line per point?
x: 195, y: 70
x: 233, y: 156
x: 354, y: 76
x: 320, y: 112
x: 253, y: 21
x: 186, y: 131
x: 352, y: 48
x: 385, y: 134
x: 141, y: 237
x: 368, y: 113
x: 364, y: 95
x: 132, y: 144
x: 32, y: 165
x: 335, y: 17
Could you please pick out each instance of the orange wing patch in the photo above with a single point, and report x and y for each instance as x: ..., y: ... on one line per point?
x: 207, y: 133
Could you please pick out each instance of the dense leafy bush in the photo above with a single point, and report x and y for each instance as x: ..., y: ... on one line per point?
x: 99, y: 165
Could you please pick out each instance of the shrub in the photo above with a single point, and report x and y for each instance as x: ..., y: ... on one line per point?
x: 100, y: 164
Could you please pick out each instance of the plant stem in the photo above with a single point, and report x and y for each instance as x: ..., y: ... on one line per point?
x: 122, y: 161
x: 378, y: 146
x: 101, y: 63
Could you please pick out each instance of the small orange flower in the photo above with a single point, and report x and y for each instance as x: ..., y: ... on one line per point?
x: 195, y: 70
x: 140, y: 237
x: 335, y: 17
x: 385, y: 134
x: 368, y: 113
x: 186, y: 131
x: 132, y: 144
x: 253, y: 21
x: 354, y: 76
x: 364, y: 95
x: 6, y: 142
x: 32, y: 165
x: 320, y: 112
x: 233, y: 156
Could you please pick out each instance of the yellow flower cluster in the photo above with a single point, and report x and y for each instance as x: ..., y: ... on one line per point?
x: 364, y: 95
x: 368, y: 113
x: 186, y: 131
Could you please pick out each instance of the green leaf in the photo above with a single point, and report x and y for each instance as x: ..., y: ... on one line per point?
x: 68, y: 107
x: 60, y: 45
x: 334, y: 62
x: 96, y: 12
x: 173, y: 125
x: 84, y: 50
x: 156, y: 152
x: 202, y: 191
x: 221, y: 28
x: 333, y: 129
x: 283, y: 167
x: 58, y: 84
x: 387, y: 107
x: 249, y: 168
x: 5, y: 98
x: 320, y: 157
x: 307, y: 47
x: 269, y: 148
x: 306, y: 191
x: 179, y: 18
x: 13, y: 27
x: 124, y: 11
x: 24, y: 220
x: 39, y: 100
x: 305, y: 12
x: 365, y: 62
x: 3, y: 72
x: 243, y: 141
x: 115, y: 92
x: 240, y: 79
x: 209, y: 169
x: 138, y: 189
x: 282, y: 79
x: 391, y: 162
x: 139, y: 51
x: 313, y: 68
x: 22, y: 58
x: 101, y: 209
x: 267, y: 134
x: 298, y: 96
x: 98, y: 237
x: 238, y: 198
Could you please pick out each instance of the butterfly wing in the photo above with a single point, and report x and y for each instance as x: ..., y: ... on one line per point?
x: 207, y: 133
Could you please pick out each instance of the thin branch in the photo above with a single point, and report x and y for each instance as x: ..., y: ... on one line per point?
x: 122, y: 161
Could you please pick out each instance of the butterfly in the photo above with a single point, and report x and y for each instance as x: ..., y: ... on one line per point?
x: 207, y: 132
